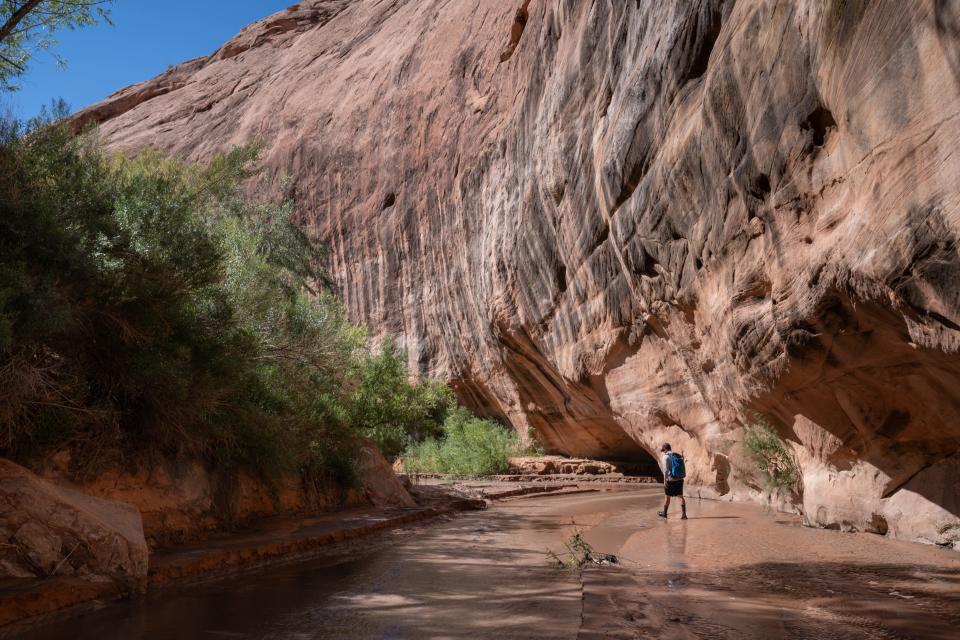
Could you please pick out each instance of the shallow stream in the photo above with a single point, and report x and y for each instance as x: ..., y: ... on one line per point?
x: 730, y: 571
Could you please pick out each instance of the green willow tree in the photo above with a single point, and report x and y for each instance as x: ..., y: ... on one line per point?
x: 28, y: 26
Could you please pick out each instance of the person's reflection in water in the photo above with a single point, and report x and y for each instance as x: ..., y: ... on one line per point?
x: 677, y: 555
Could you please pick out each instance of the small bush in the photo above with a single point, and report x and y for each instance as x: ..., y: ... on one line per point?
x: 771, y: 455
x: 424, y: 457
x: 470, y: 446
x: 579, y: 553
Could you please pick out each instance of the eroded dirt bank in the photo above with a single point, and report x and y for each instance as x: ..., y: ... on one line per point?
x: 731, y: 571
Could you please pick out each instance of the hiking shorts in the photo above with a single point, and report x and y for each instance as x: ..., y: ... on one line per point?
x: 674, y: 488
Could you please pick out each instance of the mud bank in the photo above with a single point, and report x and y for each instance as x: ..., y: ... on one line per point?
x: 183, y: 501
x: 731, y: 571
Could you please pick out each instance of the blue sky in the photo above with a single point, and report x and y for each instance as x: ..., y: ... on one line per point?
x: 147, y: 37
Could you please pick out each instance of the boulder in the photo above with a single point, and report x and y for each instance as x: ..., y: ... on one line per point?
x: 48, y: 530
x: 380, y: 484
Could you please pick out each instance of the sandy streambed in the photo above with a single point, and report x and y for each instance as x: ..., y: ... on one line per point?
x: 737, y: 571
x: 731, y: 571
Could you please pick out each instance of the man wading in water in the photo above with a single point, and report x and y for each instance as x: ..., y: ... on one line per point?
x: 674, y: 472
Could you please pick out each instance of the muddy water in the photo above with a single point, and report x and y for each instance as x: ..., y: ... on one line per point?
x: 729, y: 572
x: 737, y: 571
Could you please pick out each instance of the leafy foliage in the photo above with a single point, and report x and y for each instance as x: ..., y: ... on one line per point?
x: 390, y: 410
x: 771, y: 455
x: 470, y: 446
x: 28, y: 26
x: 147, y: 305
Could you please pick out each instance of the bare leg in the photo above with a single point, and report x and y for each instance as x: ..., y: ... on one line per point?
x: 666, y: 505
x: 683, y: 507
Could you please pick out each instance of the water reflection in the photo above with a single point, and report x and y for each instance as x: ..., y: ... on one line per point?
x: 282, y: 603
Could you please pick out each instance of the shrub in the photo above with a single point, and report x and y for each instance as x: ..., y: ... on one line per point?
x: 423, y: 457
x: 771, y: 455
x: 146, y: 304
x: 387, y: 408
x: 470, y: 446
x: 577, y: 553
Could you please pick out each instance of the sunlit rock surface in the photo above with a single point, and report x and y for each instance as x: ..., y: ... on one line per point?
x: 618, y: 223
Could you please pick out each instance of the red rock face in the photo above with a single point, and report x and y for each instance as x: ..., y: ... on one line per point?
x: 618, y: 223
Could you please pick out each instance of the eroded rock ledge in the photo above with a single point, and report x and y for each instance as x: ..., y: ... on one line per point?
x: 616, y: 223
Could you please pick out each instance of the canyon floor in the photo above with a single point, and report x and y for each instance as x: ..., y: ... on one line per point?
x: 730, y: 571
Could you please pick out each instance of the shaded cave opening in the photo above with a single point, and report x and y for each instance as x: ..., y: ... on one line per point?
x: 760, y: 187
x: 560, y: 277
x: 637, y: 463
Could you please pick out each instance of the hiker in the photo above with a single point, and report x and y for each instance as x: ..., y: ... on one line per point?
x: 674, y: 471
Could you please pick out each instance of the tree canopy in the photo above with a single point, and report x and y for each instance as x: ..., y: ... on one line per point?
x: 28, y: 26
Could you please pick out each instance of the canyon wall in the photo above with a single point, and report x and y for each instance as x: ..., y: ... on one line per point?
x: 613, y: 223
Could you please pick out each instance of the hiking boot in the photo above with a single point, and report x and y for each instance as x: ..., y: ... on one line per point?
x: 683, y: 516
x: 662, y: 514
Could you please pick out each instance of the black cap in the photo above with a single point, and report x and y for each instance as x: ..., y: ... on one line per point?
x: 665, y: 447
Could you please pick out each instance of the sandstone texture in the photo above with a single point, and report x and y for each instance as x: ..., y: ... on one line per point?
x: 381, y: 486
x: 618, y: 223
x: 47, y: 530
x: 182, y: 501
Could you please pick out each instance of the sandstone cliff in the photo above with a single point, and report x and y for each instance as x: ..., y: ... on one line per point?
x: 622, y: 222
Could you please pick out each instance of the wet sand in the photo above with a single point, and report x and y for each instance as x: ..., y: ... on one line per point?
x: 736, y: 571
x: 731, y: 571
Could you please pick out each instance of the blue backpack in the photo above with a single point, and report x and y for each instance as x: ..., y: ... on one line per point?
x: 678, y: 471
